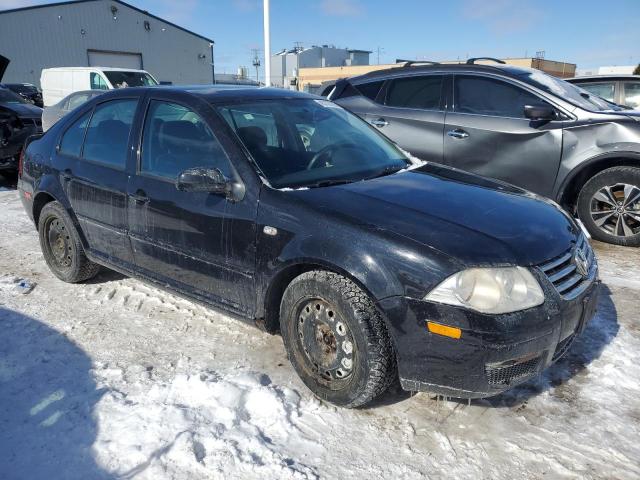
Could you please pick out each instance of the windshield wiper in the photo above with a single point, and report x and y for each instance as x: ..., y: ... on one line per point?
x: 388, y: 170
x: 327, y: 183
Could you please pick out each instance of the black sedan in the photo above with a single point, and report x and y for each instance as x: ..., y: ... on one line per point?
x: 290, y: 212
x: 27, y: 91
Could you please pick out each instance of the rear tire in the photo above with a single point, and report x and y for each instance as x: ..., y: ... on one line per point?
x: 609, y: 206
x: 336, y: 339
x: 61, y: 246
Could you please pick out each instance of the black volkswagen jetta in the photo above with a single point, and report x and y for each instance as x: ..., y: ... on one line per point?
x: 290, y: 212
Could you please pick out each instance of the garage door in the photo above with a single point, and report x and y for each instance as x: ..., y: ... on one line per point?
x: 112, y: 59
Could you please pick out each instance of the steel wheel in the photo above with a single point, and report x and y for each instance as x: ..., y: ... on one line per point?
x: 59, y: 243
x: 615, y: 209
x: 326, y: 342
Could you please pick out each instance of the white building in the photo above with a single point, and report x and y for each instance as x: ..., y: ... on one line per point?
x: 286, y: 63
x: 105, y: 33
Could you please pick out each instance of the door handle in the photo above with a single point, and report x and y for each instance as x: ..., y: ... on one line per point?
x: 139, y: 197
x: 457, y: 133
x: 380, y: 122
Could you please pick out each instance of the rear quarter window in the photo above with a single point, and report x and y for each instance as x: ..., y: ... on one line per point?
x: 71, y: 143
x: 370, y: 89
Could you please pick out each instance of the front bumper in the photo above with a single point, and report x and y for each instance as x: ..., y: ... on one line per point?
x: 493, y: 353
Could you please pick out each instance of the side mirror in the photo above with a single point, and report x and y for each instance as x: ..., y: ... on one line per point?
x: 200, y: 179
x: 540, y: 112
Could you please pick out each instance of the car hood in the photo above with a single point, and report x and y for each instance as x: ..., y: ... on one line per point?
x: 472, y: 219
x: 27, y: 110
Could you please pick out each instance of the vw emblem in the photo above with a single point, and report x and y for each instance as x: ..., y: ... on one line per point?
x: 580, y: 260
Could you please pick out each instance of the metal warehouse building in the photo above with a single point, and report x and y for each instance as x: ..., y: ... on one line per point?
x: 105, y: 33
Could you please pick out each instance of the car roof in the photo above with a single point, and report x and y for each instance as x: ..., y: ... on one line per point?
x: 218, y: 93
x: 400, y: 70
x: 604, y: 78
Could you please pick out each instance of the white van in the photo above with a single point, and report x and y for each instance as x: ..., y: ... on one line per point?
x: 57, y: 83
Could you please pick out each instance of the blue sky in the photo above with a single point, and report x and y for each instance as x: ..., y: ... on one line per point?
x: 587, y: 32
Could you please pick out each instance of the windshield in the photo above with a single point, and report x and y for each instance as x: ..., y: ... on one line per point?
x: 130, y: 79
x: 7, y: 96
x: 311, y: 143
x: 567, y: 91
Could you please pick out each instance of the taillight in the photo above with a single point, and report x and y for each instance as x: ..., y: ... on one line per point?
x: 21, y: 163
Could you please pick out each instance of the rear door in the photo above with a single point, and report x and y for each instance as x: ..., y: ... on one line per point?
x: 198, y: 242
x: 410, y: 111
x: 92, y: 159
x: 487, y: 133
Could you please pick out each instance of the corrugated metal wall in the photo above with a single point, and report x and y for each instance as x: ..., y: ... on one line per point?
x: 53, y: 37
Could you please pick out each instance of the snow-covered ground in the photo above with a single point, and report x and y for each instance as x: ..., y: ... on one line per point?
x: 116, y: 379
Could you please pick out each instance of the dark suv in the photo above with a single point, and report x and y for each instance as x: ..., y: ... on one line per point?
x: 518, y: 125
x: 288, y: 211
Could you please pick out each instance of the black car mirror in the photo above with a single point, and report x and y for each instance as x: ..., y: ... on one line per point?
x: 200, y: 179
x: 540, y: 112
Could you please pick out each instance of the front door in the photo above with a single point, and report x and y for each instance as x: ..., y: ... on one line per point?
x: 201, y: 243
x: 487, y: 133
x: 92, y: 162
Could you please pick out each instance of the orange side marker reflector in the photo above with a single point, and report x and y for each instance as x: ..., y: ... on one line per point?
x: 444, y: 330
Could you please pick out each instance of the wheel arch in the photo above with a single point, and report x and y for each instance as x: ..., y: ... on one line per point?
x: 270, y: 314
x: 568, y: 193
x: 39, y: 202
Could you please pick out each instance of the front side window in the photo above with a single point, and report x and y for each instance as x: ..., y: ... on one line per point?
x: 71, y: 143
x: 632, y: 94
x: 108, y: 133
x: 486, y: 96
x: 97, y: 82
x: 415, y: 92
x: 311, y: 143
x: 175, y: 139
x: 603, y: 90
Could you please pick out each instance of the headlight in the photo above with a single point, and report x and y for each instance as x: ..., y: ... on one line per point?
x: 490, y: 290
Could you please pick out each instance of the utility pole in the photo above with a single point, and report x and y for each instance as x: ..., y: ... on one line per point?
x: 267, y: 46
x: 256, y: 62
x: 379, y: 50
x: 213, y: 65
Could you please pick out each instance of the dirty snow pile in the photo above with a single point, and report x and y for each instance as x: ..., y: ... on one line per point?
x: 115, y: 379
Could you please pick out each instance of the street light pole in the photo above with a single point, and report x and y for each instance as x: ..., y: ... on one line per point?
x: 267, y: 46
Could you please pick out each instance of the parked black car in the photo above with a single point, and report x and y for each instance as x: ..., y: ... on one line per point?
x: 27, y: 91
x: 515, y: 124
x: 620, y: 89
x: 18, y: 120
x: 290, y: 212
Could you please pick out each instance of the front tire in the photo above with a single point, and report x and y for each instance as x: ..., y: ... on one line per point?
x: 336, y: 339
x: 61, y: 246
x: 609, y: 206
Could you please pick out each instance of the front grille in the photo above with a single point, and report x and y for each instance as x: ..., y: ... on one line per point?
x: 563, y: 347
x: 499, y: 374
x: 564, y: 273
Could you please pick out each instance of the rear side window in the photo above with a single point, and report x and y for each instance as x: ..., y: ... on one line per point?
x: 415, y: 92
x: 176, y: 138
x: 71, y: 143
x: 486, y: 96
x: 77, y: 100
x: 371, y: 89
x: 108, y: 133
